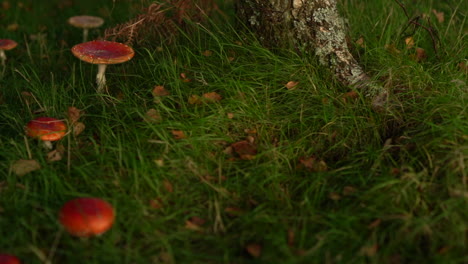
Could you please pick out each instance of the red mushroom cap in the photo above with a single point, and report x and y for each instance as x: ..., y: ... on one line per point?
x: 86, y: 217
x: 103, y: 52
x: 9, y: 259
x: 7, y: 44
x: 86, y: 21
x: 46, y: 128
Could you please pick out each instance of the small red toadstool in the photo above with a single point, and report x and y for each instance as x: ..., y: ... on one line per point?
x: 86, y: 22
x: 6, y: 44
x: 9, y: 259
x: 46, y: 129
x: 85, y: 217
x: 102, y: 52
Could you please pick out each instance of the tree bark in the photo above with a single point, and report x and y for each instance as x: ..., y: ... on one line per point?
x: 312, y: 26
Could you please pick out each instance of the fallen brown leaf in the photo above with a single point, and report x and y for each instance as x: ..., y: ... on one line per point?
x: 159, y: 90
x: 168, y: 186
x: 207, y: 53
x: 463, y: 66
x: 420, y: 54
x: 313, y: 164
x: 195, y: 223
x: 73, y: 114
x: 233, y: 211
x: 350, y: 96
x: 369, y: 251
x: 22, y: 167
x: 152, y: 116
x: 54, y: 155
x: 12, y: 27
x: 334, y: 196
x: 291, y: 237
x: 374, y: 223
x: 78, y: 128
x: 254, y: 249
x: 409, y: 42
x: 178, y: 134
x: 360, y: 42
x: 348, y: 190
x: 184, y: 77
x: 195, y: 100
x: 291, y: 85
x: 392, y: 49
x: 212, y: 97
x: 244, y: 149
x: 156, y: 203
x: 439, y: 15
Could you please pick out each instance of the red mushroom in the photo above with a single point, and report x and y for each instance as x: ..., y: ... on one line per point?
x: 6, y: 44
x: 102, y: 52
x: 9, y: 259
x: 46, y: 129
x: 86, y: 22
x: 85, y: 217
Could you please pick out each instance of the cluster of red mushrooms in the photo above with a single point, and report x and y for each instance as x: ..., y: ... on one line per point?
x: 85, y: 216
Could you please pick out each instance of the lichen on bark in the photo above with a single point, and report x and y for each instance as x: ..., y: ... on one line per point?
x: 313, y: 26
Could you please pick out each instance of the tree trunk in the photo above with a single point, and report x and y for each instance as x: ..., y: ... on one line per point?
x: 313, y: 26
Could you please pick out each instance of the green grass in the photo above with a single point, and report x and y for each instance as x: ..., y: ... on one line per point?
x: 406, y: 170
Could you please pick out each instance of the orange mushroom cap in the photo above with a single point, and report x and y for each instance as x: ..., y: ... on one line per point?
x: 86, y: 216
x: 7, y: 44
x: 103, y: 52
x: 46, y: 128
x: 86, y: 21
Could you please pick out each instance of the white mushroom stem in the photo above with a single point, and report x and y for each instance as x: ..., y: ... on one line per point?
x: 85, y: 34
x: 2, y: 57
x: 47, y: 144
x: 101, y: 77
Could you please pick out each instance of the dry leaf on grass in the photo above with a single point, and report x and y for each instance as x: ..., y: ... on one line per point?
x: 360, y: 42
x: 195, y: 223
x: 244, y: 149
x: 168, y: 186
x: 409, y: 42
x: 78, y: 128
x: 369, y: 251
x: 291, y: 85
x: 374, y: 223
x: 156, y: 203
x: 207, y: 53
x: 392, y: 49
x: 12, y: 27
x: 212, y: 97
x: 439, y: 15
x: 54, y: 155
x: 420, y: 54
x: 349, y: 96
x: 178, y: 134
x: 233, y: 211
x: 152, y: 116
x: 348, y: 190
x: 159, y: 90
x: 291, y: 237
x: 313, y: 164
x: 195, y: 100
x: 73, y: 114
x: 463, y: 67
x: 22, y: 167
x: 254, y: 249
x: 184, y: 77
